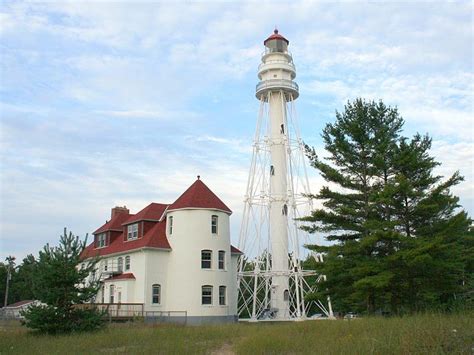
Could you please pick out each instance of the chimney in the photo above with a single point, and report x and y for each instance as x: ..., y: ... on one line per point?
x: 118, y: 210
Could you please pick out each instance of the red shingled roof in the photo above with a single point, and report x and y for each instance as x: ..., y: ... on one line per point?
x: 114, y: 224
x: 234, y: 250
x: 125, y: 276
x: 154, y: 238
x: 152, y: 212
x: 276, y: 35
x: 198, y: 195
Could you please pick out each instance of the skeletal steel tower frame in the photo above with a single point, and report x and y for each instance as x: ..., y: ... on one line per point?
x: 272, y: 283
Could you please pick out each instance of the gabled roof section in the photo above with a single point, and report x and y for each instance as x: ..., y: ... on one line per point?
x: 198, y: 195
x: 152, y: 212
x: 154, y: 238
x: 115, y: 223
x: 234, y: 250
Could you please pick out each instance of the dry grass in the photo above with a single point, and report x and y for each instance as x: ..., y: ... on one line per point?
x: 422, y: 334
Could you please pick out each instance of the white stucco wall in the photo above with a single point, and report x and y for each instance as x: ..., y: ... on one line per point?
x: 192, y: 234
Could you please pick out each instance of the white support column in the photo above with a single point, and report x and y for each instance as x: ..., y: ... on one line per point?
x: 278, y: 203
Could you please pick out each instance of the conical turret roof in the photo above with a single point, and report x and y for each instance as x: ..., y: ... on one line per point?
x: 198, y: 195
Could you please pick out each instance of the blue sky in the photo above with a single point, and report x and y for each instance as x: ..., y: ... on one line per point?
x: 106, y: 103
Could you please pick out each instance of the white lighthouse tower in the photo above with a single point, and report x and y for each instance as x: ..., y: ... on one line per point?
x: 272, y: 283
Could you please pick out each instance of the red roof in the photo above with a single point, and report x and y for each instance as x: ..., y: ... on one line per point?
x: 234, y: 250
x: 154, y: 238
x: 152, y: 212
x: 198, y: 195
x: 276, y: 35
x: 126, y: 276
x: 114, y: 224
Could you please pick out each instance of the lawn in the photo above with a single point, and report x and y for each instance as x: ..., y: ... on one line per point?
x: 421, y: 334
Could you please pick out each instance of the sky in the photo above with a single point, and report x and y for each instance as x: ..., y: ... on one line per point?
x: 124, y: 103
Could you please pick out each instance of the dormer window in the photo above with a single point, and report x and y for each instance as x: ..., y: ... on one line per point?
x: 214, y: 220
x: 132, y: 231
x: 101, y: 240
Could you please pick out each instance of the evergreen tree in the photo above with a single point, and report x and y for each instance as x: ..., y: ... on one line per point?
x: 395, y: 226
x: 23, y: 280
x: 61, y: 285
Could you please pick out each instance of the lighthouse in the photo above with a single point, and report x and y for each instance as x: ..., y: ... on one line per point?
x: 272, y: 283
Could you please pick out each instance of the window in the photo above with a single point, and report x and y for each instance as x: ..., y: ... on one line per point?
x: 112, y: 291
x: 156, y: 294
x: 221, y: 259
x: 127, y: 263
x: 105, y: 265
x: 282, y: 129
x: 101, y: 240
x: 103, y: 294
x: 120, y: 264
x: 222, y: 294
x: 284, y: 210
x: 206, y: 259
x: 272, y: 170
x: 170, y: 225
x: 286, y: 295
x: 132, y: 231
x: 206, y: 294
x: 214, y: 220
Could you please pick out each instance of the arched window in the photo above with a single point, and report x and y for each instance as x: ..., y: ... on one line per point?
x: 272, y: 170
x: 103, y: 293
x: 282, y: 128
x: 221, y: 260
x: 206, y: 295
x: 111, y: 291
x: 156, y: 294
x: 127, y: 263
x: 206, y: 259
x: 284, y: 210
x: 120, y: 264
x: 222, y: 295
x: 214, y: 222
x: 286, y: 295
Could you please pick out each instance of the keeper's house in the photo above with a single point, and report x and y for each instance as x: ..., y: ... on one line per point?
x: 170, y: 258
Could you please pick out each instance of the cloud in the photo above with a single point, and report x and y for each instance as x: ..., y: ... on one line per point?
x: 108, y: 104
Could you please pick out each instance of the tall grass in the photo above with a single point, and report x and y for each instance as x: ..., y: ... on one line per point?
x: 421, y: 334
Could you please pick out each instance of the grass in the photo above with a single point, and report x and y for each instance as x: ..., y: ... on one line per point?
x: 421, y: 334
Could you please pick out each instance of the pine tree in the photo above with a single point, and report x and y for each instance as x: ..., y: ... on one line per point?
x: 61, y: 285
x: 393, y: 223
x: 23, y: 279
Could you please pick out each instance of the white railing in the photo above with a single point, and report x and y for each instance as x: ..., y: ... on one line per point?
x: 276, y: 61
x: 277, y: 84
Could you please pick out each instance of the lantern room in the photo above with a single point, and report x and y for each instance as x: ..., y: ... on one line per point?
x: 276, y: 43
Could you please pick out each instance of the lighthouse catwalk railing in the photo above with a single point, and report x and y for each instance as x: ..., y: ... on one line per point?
x: 272, y: 282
